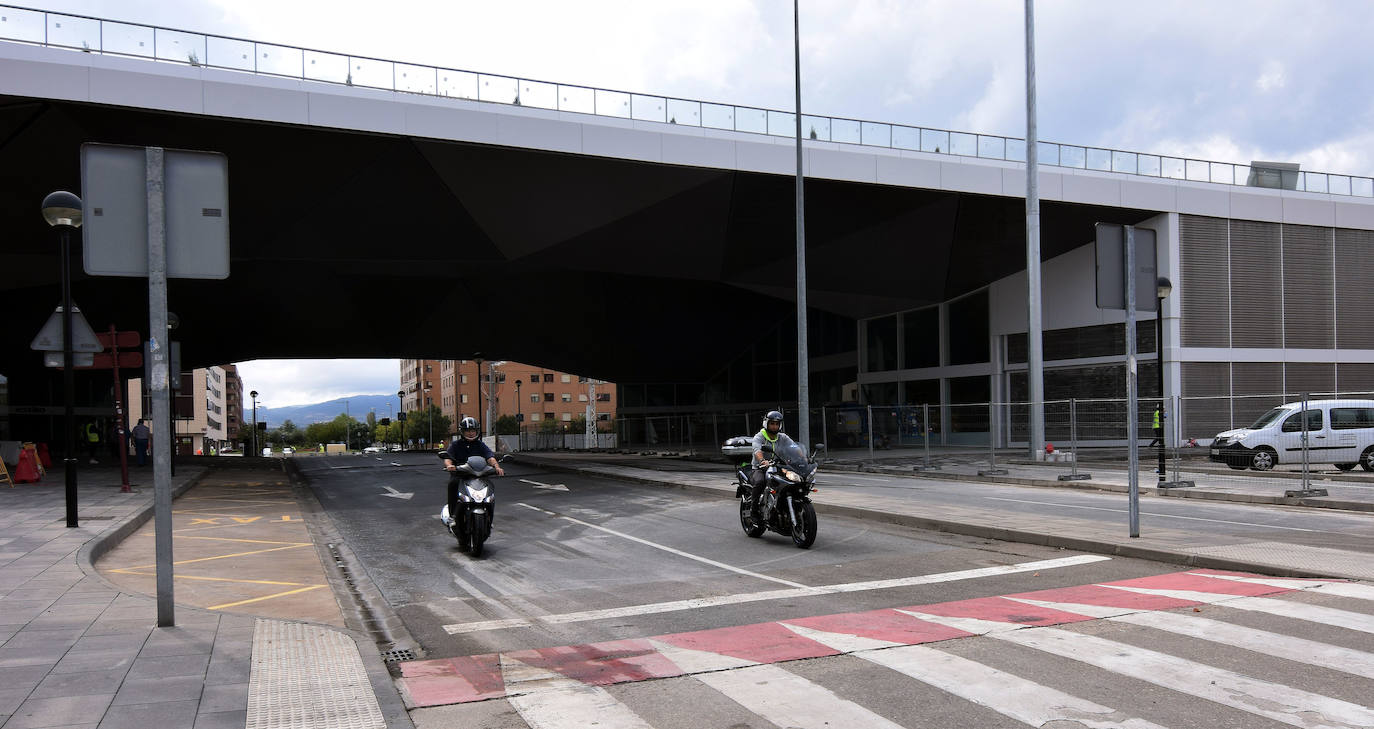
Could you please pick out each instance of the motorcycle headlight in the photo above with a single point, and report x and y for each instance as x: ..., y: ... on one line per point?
x: 479, y: 494
x: 791, y: 476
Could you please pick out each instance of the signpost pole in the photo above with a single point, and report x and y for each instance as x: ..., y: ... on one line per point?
x: 1133, y: 457
x: 160, y: 352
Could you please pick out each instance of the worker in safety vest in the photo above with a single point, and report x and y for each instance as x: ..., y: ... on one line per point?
x: 1158, y: 426
x: 92, y: 440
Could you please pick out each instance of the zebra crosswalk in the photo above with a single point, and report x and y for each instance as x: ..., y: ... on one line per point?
x: 1265, y: 654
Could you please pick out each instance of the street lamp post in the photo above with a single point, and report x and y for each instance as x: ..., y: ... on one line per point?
x: 401, y: 419
x: 429, y: 413
x: 254, y: 394
x: 62, y: 210
x: 348, y: 426
x: 519, y: 419
x: 1162, y: 288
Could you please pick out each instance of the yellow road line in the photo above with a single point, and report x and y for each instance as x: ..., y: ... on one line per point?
x: 206, y: 579
x: 222, y: 556
x: 264, y: 597
x: 243, y: 541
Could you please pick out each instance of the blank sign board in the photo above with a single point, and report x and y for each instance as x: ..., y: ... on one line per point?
x: 114, y: 203
x: 1111, y: 267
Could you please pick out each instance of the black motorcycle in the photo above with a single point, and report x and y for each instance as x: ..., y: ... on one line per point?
x: 790, y: 478
x: 476, y: 504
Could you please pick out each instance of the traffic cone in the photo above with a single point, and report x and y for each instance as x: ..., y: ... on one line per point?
x: 43, y: 456
x: 27, y: 470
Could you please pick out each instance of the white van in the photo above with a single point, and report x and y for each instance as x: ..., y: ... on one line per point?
x: 1339, y: 432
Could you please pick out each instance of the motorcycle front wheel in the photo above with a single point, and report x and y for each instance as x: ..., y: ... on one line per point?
x: 751, y: 527
x: 804, y: 531
x: 479, y: 536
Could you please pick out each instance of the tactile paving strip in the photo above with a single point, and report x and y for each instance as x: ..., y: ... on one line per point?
x: 308, y: 677
x: 1321, y: 560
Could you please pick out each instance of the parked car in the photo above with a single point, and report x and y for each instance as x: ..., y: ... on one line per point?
x: 288, y: 450
x: 267, y: 451
x: 372, y: 449
x: 738, y: 447
x: 1339, y: 432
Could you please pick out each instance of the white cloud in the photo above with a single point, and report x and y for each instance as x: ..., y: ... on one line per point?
x: 1271, y: 78
x: 282, y: 382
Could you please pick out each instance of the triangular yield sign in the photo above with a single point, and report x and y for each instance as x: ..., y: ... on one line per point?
x: 49, y: 338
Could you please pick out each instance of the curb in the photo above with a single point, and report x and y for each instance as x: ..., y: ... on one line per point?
x: 980, y: 530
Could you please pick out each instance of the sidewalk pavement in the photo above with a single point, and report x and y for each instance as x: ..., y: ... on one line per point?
x: 75, y: 651
x: 1196, y: 548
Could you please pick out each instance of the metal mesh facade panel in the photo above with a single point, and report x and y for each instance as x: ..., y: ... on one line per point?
x: 1354, y: 289
x: 1256, y: 279
x: 1204, y: 261
x: 1309, y: 315
x: 1255, y: 378
x: 1206, y: 405
x: 1313, y: 378
x: 1355, y: 378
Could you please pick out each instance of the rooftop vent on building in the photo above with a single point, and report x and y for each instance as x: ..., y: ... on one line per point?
x: 1276, y: 175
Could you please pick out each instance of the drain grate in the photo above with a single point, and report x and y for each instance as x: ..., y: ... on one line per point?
x: 399, y: 654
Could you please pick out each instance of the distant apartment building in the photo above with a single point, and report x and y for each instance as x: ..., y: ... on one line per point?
x: 233, y: 403
x: 541, y: 395
x: 199, y: 409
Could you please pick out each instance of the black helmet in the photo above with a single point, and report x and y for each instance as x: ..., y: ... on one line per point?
x: 467, y: 424
x: 773, y: 415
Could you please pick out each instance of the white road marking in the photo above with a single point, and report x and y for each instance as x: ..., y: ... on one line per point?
x: 788, y: 700
x: 1270, y: 581
x: 704, y: 602
x: 1362, y: 622
x: 393, y: 493
x: 1346, y: 589
x: 1275, y: 701
x: 547, y: 700
x: 538, y: 485
x: 1149, y: 513
x: 1007, y: 694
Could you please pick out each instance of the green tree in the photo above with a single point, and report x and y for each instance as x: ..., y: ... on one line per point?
x: 507, y: 425
x: 578, y: 425
x: 430, y: 424
x: 549, y: 425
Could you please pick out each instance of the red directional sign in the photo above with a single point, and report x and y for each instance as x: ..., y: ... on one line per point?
x: 123, y: 340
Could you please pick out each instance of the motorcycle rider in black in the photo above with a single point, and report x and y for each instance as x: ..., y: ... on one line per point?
x: 771, y: 435
x: 459, y: 451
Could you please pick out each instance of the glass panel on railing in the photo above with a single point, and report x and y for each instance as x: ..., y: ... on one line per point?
x: 1242, y: 174
x: 877, y: 135
x: 1148, y: 164
x: 782, y: 124
x: 990, y: 147
x: 686, y: 113
x: 1171, y: 167
x: 717, y: 116
x: 538, y: 94
x: 577, y: 98
x: 935, y: 140
x: 648, y: 108
x: 613, y: 103
x: 816, y: 127
x: 229, y: 53
x: 415, y: 79
x: 279, y: 60
x: 751, y: 120
x: 370, y: 73
x: 1099, y: 159
x: 1198, y: 170
x: 70, y: 32
x: 845, y: 130
x: 964, y: 144
x: 22, y: 25
x: 1222, y: 172
x: 173, y: 45
x: 1362, y: 186
x: 1070, y: 156
x: 1125, y: 162
x: 130, y: 40
x: 1016, y: 150
x: 906, y: 137
x: 319, y: 66
x: 498, y: 89
x: 457, y: 84
x: 1340, y: 184
x: 1314, y: 182
x: 1048, y: 152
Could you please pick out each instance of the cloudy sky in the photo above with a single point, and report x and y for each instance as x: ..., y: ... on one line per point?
x: 1225, y: 80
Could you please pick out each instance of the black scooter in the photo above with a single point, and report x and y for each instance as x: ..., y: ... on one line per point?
x: 471, y: 526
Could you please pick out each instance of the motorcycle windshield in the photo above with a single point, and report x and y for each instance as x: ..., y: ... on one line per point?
x: 794, y: 456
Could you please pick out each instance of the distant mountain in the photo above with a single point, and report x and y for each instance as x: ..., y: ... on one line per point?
x: 323, y: 412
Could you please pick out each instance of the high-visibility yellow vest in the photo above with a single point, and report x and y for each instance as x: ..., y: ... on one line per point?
x: 92, y: 434
x: 1156, y: 418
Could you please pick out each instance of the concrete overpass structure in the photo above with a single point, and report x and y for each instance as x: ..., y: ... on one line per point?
x: 364, y: 221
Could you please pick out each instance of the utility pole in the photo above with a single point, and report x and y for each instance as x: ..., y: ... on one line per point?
x: 591, y: 413
x: 1035, y: 371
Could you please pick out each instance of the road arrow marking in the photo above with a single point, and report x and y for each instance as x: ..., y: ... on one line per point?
x: 397, y: 494
x: 536, y: 484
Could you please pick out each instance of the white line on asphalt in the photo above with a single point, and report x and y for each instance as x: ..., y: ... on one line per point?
x: 1278, y: 702
x: 1362, y: 622
x: 1149, y: 513
x: 788, y: 700
x: 537, y: 484
x: 1007, y: 694
x: 547, y: 700
x: 667, y: 549
x: 702, y: 602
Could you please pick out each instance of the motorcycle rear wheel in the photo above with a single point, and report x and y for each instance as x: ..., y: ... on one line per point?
x: 752, y: 528
x: 804, y: 531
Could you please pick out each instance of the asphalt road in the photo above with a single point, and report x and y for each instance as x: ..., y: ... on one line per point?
x: 576, y: 560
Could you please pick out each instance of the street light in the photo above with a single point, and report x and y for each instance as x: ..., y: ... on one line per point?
x: 429, y: 412
x: 1162, y: 288
x: 401, y: 419
x: 62, y: 210
x: 254, y: 395
x: 519, y: 419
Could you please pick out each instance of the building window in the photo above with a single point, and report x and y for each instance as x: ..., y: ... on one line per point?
x: 548, y: 377
x: 534, y: 397
x: 581, y: 398
x: 567, y: 417
x: 548, y: 397
x: 465, y: 398
x: 567, y: 378
x: 548, y: 416
x: 536, y: 417
x: 463, y: 379
x: 567, y: 397
x: 603, y: 397
x: 603, y: 416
